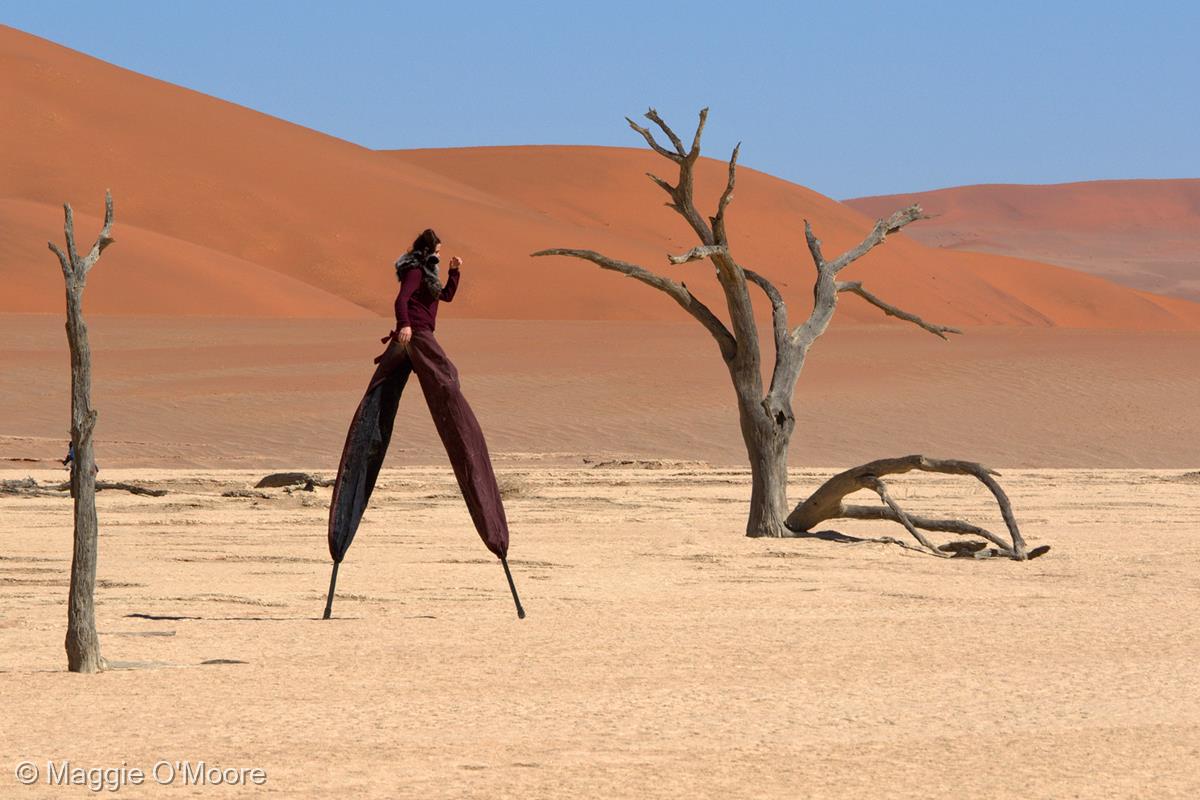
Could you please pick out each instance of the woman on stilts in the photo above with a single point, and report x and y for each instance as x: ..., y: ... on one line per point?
x: 411, y: 347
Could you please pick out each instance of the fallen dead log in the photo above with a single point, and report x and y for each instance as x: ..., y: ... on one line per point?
x: 31, y: 488
x: 280, y: 480
x: 129, y: 487
x: 120, y: 485
x: 27, y: 487
x: 828, y: 503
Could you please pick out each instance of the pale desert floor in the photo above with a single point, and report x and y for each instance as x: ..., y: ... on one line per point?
x: 664, y: 654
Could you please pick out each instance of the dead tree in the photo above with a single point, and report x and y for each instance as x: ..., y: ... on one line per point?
x: 83, y: 645
x: 765, y: 413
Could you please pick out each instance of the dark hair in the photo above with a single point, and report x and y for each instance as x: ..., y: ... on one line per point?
x: 426, y: 242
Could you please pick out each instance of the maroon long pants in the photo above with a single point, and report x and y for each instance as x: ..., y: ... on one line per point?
x: 371, y: 431
x: 462, y: 437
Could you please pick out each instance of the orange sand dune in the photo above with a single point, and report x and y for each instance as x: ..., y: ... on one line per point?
x: 333, y: 215
x: 604, y: 191
x: 1141, y: 233
x: 151, y: 273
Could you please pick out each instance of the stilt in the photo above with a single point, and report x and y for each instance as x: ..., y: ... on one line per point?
x: 332, y: 583
x: 511, y: 585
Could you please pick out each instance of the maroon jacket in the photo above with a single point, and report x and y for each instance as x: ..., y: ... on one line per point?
x: 416, y: 307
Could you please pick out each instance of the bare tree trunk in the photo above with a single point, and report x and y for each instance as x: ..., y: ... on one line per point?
x: 83, y: 646
x: 767, y: 449
x: 82, y: 643
x: 768, y: 492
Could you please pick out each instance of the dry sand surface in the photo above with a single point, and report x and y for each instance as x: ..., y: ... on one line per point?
x: 277, y: 393
x: 664, y: 654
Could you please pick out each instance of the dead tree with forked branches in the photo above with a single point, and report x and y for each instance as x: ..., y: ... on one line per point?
x: 83, y: 645
x: 765, y: 413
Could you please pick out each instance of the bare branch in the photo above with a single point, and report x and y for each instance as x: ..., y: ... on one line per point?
x: 105, y: 237
x: 718, y: 220
x: 697, y: 253
x: 814, y: 246
x: 824, y: 302
x: 985, y: 477
x: 654, y: 145
x: 653, y: 116
x: 779, y: 317
x: 666, y: 187
x: 856, y: 287
x: 63, y: 260
x: 788, y: 360
x: 694, y: 153
x: 69, y: 231
x: 876, y: 237
x: 678, y: 292
x: 880, y: 489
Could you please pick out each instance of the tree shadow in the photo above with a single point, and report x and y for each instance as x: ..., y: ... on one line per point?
x: 957, y: 549
x: 846, y: 538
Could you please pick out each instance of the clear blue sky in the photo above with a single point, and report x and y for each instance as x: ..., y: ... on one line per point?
x: 849, y: 98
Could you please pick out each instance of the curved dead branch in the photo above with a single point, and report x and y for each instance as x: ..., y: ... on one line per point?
x: 718, y: 219
x: 698, y: 253
x: 856, y: 287
x: 677, y: 291
x: 827, y: 503
x: 880, y: 488
x: 779, y: 316
x: 877, y: 235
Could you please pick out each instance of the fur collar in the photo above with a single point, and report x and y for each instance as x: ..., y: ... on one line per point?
x: 428, y: 264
